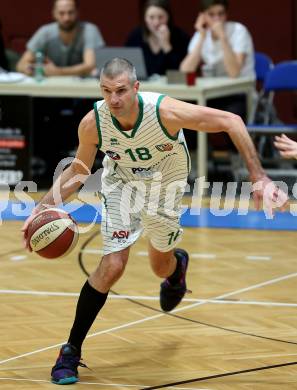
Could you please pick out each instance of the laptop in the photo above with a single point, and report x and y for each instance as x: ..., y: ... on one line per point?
x: 132, y: 54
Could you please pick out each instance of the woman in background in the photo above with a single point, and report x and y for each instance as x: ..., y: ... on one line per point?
x: 164, y: 45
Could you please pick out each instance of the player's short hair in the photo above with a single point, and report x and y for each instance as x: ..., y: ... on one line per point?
x: 205, y: 4
x: 117, y: 66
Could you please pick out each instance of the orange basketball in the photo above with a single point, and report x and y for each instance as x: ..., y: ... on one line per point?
x: 52, y: 233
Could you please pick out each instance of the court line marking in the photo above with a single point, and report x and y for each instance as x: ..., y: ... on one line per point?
x: 93, y: 251
x: 96, y: 383
x: 205, y: 256
x: 258, y: 258
x: 18, y: 258
x: 122, y: 338
x: 153, y: 298
x: 145, y: 319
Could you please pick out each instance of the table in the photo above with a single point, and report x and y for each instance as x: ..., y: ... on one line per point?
x: 205, y: 88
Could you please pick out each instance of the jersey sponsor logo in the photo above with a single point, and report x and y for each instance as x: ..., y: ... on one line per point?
x: 120, y: 235
x: 114, y: 141
x: 138, y: 170
x: 144, y: 173
x: 113, y: 155
x: 164, y: 147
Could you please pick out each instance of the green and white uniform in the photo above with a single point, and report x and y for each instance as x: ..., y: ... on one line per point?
x: 144, y: 177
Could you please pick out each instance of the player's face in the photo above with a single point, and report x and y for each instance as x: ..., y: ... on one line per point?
x: 65, y: 14
x: 119, y: 94
x: 216, y: 13
x: 155, y: 17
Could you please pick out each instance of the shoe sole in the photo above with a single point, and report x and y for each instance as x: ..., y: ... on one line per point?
x: 66, y: 381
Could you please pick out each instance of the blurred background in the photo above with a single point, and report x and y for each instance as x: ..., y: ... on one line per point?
x: 272, y: 24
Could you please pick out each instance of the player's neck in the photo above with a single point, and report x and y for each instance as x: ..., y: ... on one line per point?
x: 129, y: 120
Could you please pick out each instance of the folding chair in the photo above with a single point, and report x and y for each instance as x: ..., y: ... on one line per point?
x: 282, y: 77
x: 263, y: 64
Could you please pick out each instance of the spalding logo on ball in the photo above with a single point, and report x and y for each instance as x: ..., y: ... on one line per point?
x: 52, y: 233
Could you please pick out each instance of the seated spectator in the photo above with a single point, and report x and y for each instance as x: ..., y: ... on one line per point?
x: 225, y: 48
x: 67, y: 44
x: 3, y: 58
x: 164, y: 45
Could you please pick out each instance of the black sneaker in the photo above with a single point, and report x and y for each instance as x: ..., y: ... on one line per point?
x: 65, y: 371
x: 172, y: 294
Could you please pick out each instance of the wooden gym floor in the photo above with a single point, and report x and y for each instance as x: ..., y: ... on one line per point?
x: 238, y: 326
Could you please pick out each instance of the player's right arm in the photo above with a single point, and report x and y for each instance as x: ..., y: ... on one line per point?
x: 26, y: 63
x: 76, y: 173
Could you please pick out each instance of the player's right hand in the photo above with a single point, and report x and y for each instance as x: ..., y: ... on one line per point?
x: 270, y: 195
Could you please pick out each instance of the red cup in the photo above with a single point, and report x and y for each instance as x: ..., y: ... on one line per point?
x: 191, y: 78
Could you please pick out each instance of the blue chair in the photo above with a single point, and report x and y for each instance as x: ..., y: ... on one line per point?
x: 263, y: 64
x: 282, y: 77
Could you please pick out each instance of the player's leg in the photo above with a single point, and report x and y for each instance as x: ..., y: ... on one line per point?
x: 163, y: 263
x: 161, y: 223
x: 117, y: 239
x: 109, y: 270
x: 172, y: 266
x: 91, y: 300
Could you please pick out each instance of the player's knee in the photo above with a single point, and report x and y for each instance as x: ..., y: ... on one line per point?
x: 114, y: 267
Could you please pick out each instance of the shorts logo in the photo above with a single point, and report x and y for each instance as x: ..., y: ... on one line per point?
x: 114, y: 141
x: 164, y: 147
x: 113, y: 155
x: 120, y: 234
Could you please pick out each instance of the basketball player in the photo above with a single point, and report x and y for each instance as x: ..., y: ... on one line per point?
x: 141, y: 135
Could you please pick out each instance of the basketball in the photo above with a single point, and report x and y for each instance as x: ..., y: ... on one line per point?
x: 52, y: 233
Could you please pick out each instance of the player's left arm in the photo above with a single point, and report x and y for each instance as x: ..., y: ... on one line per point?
x: 176, y: 114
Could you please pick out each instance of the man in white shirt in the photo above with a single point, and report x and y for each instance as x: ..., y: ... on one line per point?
x: 225, y: 49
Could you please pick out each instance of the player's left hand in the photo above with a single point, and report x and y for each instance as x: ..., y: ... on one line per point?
x: 25, y: 226
x: 271, y: 195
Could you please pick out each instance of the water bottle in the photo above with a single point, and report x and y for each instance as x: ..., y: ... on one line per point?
x: 38, y: 72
